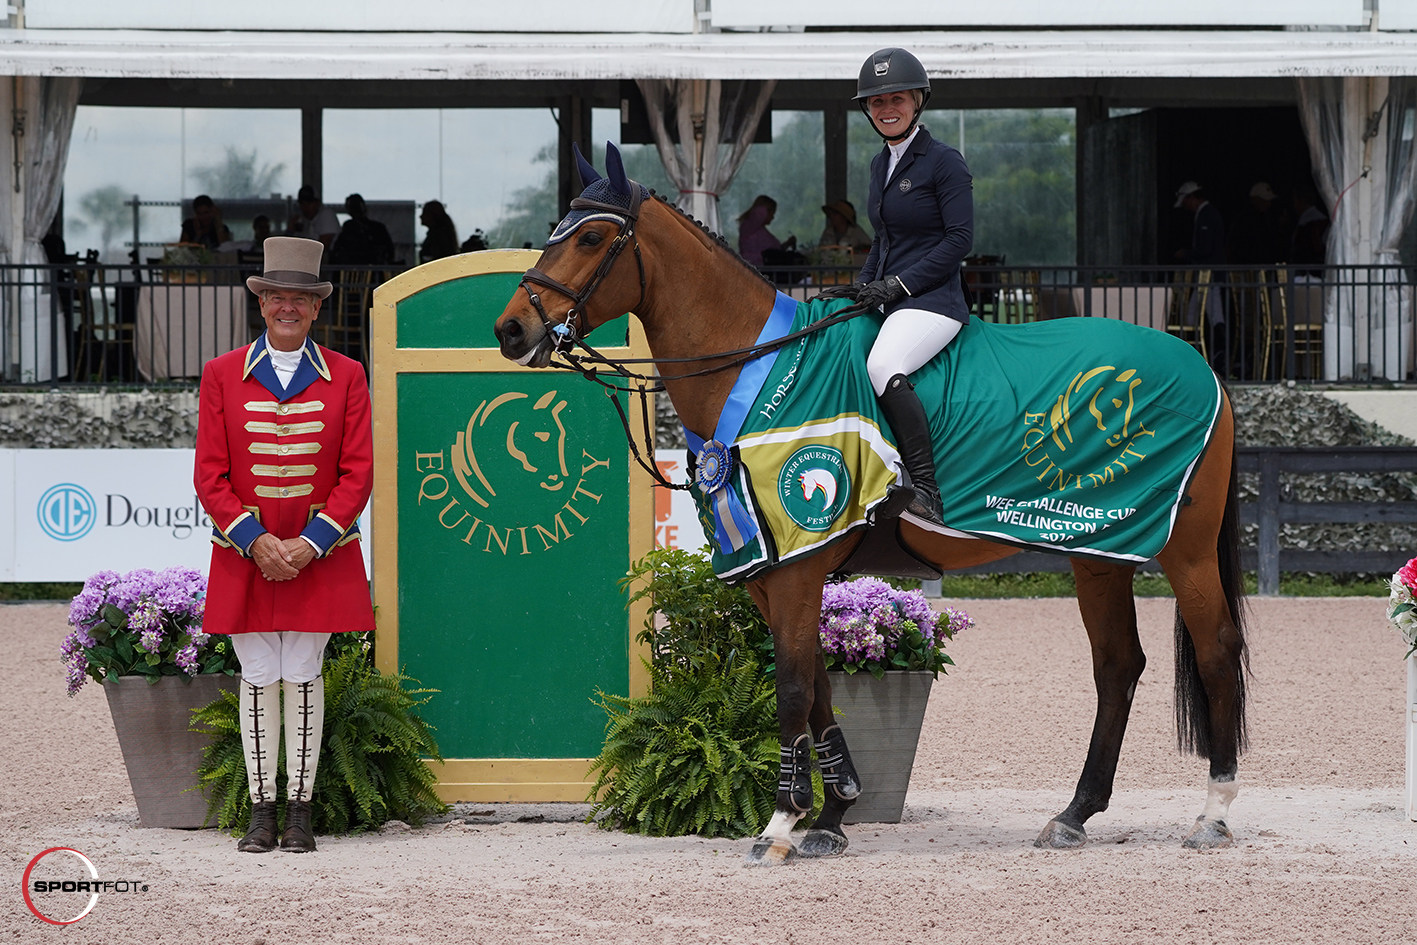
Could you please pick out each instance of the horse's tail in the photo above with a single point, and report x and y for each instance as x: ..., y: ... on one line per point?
x: 1192, y: 705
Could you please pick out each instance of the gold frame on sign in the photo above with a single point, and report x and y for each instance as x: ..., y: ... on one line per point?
x: 477, y: 780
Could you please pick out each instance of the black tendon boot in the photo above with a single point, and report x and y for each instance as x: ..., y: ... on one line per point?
x: 794, y: 778
x: 261, y: 837
x: 838, y: 773
x: 906, y: 415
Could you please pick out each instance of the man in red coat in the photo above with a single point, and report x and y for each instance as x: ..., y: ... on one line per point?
x: 284, y: 468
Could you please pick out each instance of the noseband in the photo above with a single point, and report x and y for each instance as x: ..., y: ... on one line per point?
x: 565, y: 333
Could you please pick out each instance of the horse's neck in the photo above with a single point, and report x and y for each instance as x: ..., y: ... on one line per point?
x: 699, y: 300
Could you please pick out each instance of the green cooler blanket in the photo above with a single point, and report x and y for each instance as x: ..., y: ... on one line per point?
x: 1076, y: 436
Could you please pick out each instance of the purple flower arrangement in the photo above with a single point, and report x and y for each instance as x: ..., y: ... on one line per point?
x: 869, y: 625
x: 146, y: 623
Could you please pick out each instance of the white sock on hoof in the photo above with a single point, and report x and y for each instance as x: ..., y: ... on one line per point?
x: 780, y: 827
x: 1219, y: 797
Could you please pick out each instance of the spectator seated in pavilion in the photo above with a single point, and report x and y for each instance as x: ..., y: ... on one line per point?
x: 204, y: 226
x: 361, y: 241
x: 442, y: 238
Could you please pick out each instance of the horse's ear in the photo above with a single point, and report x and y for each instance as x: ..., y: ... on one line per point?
x: 587, y: 169
x: 615, y: 169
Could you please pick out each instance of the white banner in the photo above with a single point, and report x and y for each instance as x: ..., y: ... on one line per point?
x: 70, y: 513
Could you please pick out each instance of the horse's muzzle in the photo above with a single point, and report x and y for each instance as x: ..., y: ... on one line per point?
x: 528, y: 348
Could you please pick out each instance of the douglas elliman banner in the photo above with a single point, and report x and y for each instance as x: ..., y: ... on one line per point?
x: 65, y: 514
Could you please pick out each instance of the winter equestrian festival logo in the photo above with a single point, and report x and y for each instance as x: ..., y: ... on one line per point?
x: 814, y: 487
x: 67, y: 900
x: 67, y: 512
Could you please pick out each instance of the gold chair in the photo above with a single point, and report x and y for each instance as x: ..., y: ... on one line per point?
x: 1193, y: 281
x: 98, y: 329
x: 345, y: 330
x: 1304, y: 303
x: 1018, y: 296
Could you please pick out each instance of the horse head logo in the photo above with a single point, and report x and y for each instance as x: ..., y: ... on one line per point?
x: 818, y: 480
x: 1117, y: 392
x: 532, y: 442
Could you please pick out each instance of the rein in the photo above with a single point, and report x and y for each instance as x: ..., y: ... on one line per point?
x: 566, y: 337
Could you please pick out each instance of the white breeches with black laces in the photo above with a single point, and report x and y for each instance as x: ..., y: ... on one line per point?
x: 909, y: 338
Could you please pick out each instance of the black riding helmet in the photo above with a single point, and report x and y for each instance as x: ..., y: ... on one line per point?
x: 892, y: 70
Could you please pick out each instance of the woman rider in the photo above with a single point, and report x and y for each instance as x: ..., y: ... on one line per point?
x: 921, y: 205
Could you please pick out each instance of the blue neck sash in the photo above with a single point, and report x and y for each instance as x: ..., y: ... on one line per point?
x: 733, y: 526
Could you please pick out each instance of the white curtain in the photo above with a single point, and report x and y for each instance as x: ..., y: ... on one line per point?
x: 714, y: 122
x: 1360, y: 134
x: 34, y: 346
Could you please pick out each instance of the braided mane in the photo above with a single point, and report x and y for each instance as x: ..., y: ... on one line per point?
x: 722, y: 243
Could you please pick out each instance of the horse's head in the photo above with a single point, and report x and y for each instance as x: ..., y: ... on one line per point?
x: 583, y: 278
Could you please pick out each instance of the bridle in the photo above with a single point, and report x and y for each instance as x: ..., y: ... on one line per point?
x: 566, y: 338
x: 566, y: 331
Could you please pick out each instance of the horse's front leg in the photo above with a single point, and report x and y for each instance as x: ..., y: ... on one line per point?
x: 841, y: 785
x: 791, y: 599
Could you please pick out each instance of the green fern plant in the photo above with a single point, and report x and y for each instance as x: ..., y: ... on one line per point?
x: 699, y: 754
x: 371, y: 767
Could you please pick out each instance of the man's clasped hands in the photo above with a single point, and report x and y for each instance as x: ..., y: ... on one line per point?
x: 281, y: 560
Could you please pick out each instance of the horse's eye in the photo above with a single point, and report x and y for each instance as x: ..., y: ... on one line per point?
x: 589, y: 238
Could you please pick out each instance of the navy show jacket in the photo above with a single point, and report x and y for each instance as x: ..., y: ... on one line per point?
x: 924, y: 222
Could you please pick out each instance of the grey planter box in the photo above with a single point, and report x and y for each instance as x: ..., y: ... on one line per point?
x: 160, y: 752
x: 881, y: 719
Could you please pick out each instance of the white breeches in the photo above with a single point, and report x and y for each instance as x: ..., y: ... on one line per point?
x: 909, y: 338
x: 288, y: 655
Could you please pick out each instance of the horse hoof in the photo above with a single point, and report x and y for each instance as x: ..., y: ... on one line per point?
x: 1208, y: 834
x: 769, y: 852
x: 1059, y: 836
x: 820, y: 843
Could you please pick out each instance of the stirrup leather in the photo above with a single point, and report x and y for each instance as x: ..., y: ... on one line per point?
x: 839, y: 776
x: 794, y: 775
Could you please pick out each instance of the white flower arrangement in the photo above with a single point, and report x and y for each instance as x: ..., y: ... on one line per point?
x: 1402, y: 604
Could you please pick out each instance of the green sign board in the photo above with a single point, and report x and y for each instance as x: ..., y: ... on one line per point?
x: 505, y: 514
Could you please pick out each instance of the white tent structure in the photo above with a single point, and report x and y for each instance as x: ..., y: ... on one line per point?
x: 1340, y: 48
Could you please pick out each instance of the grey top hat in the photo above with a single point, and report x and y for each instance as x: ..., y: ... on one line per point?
x: 291, y: 263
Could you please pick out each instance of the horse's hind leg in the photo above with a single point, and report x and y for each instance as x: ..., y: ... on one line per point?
x: 1202, y: 562
x: 1110, y: 616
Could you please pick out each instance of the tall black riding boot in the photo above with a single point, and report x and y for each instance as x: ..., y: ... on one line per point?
x: 906, y: 415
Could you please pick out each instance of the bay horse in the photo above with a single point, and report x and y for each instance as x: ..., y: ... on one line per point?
x: 699, y: 302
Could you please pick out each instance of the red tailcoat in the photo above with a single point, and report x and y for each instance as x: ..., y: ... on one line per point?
x: 296, y: 460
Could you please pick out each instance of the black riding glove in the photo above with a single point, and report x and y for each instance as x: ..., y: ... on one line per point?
x: 852, y: 291
x: 881, y: 292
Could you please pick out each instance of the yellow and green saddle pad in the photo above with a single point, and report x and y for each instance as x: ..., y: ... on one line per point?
x: 1076, y: 436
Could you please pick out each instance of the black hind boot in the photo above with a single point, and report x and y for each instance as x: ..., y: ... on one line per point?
x: 906, y: 415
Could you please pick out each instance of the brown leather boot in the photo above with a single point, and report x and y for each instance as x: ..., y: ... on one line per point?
x: 261, y: 837
x: 297, y: 836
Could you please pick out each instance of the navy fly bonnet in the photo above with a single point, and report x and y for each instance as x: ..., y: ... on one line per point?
x: 601, y: 195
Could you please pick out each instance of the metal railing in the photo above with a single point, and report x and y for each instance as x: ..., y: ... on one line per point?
x: 87, y: 322
x: 1338, y: 324
x: 153, y: 325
